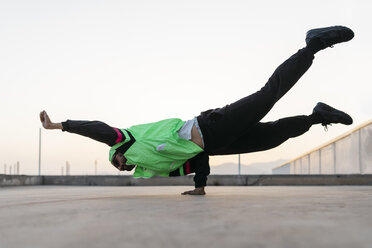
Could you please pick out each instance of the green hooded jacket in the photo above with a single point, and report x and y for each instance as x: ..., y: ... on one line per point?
x: 158, y: 149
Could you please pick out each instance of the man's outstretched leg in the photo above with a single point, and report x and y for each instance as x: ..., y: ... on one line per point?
x: 222, y: 126
x: 96, y: 130
x: 265, y: 136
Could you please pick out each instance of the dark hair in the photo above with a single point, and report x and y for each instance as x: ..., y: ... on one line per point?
x: 114, y: 162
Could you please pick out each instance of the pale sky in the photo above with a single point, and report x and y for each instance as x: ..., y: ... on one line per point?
x: 133, y: 62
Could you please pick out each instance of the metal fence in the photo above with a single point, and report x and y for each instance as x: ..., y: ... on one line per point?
x: 350, y: 153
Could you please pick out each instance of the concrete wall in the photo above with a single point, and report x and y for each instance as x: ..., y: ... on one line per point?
x: 10, y: 180
x: 213, y: 180
x: 349, y: 154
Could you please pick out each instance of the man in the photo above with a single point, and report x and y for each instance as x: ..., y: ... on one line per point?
x: 173, y: 147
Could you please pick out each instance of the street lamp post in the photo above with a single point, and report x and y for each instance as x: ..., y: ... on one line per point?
x: 39, y: 150
x: 239, y: 164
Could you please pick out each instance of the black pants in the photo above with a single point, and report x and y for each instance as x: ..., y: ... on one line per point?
x: 236, y: 128
x: 96, y: 130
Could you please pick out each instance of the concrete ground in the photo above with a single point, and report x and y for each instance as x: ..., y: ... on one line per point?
x: 284, y: 216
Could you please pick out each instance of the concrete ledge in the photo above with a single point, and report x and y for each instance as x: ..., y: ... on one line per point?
x: 117, y: 181
x: 15, y: 180
x: 277, y: 180
x: 213, y: 180
x: 9, y: 180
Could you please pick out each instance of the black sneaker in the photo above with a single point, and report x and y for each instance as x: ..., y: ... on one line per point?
x: 329, y: 36
x: 331, y: 115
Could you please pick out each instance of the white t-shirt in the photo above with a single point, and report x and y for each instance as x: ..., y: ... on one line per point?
x: 185, y: 131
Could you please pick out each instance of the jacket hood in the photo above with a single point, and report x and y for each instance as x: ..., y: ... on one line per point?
x: 122, y: 146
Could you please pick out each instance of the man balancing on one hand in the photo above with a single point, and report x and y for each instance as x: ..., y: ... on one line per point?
x: 174, y: 147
